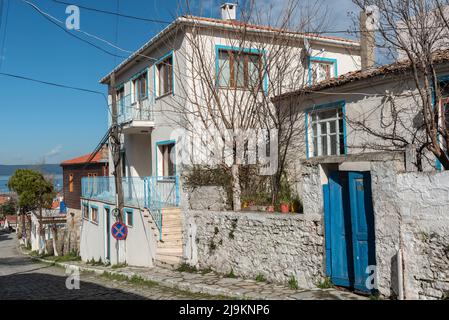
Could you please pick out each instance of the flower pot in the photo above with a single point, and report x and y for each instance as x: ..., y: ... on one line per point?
x: 270, y: 208
x: 285, y: 207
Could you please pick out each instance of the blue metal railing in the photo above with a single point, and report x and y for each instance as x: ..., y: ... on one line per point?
x: 154, y: 193
x: 103, y: 189
x: 129, y: 109
x: 161, y: 192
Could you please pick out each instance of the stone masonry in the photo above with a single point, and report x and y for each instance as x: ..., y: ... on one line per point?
x: 277, y: 246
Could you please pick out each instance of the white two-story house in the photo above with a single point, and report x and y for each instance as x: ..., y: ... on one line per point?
x: 173, y: 72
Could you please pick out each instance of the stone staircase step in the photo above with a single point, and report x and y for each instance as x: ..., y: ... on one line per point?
x: 170, y: 251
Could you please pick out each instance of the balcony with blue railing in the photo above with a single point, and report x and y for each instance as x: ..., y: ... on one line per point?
x: 135, y: 114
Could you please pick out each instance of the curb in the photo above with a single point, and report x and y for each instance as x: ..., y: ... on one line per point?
x: 168, y: 283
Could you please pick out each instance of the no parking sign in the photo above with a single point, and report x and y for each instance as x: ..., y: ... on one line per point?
x: 119, y: 231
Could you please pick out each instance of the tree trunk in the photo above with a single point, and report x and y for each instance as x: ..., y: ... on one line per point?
x: 41, y: 235
x: 236, y: 189
x: 55, y: 241
x: 24, y: 230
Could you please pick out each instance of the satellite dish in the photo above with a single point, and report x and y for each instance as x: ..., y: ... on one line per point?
x: 307, y: 47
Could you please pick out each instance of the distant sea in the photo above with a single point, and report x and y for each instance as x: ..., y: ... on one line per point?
x: 57, y: 182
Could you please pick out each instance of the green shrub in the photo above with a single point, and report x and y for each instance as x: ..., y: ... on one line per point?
x: 293, y: 284
x: 185, y: 267
x: 325, y: 284
x: 260, y: 278
x: 230, y: 274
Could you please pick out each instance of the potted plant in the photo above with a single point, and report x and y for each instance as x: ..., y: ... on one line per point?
x: 270, y: 208
x: 284, y: 204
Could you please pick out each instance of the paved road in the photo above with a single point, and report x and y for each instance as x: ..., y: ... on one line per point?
x: 24, y: 278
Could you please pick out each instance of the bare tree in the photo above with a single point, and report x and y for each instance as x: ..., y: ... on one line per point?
x: 227, y: 94
x: 416, y: 32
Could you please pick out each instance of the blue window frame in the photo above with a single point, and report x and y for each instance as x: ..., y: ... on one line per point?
x: 164, y: 75
x: 321, y: 69
x: 140, y: 85
x: 129, y: 216
x: 326, y: 129
x: 242, y: 68
x: 165, y: 150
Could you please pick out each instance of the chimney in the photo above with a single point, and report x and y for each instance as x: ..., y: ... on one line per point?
x: 228, y: 11
x: 368, y: 22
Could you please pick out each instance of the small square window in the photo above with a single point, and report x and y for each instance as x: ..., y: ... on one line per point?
x: 129, y: 218
x: 94, y: 214
x: 85, y: 211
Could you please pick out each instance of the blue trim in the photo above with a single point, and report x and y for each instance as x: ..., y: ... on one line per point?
x: 331, y: 105
x: 171, y: 53
x: 160, y: 143
x: 263, y: 52
x: 309, y: 66
x: 129, y: 210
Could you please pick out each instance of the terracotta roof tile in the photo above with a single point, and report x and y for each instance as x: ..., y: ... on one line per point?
x: 398, y: 67
x: 101, y: 156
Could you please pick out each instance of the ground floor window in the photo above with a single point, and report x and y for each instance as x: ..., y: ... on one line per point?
x: 85, y: 210
x: 129, y: 217
x: 326, y: 132
x: 165, y: 161
x: 94, y: 214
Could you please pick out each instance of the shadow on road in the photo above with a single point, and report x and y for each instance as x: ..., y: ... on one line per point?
x: 41, y: 286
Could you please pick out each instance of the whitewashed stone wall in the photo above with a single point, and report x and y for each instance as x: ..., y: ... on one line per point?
x: 423, y: 201
x: 277, y: 246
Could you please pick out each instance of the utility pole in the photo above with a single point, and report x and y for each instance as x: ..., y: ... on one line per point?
x: 115, y: 146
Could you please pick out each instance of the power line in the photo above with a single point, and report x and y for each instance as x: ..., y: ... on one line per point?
x: 59, y: 85
x: 113, y: 13
x: 53, y: 20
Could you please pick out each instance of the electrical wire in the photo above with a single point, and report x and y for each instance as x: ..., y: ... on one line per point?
x: 60, y: 85
x: 113, y: 13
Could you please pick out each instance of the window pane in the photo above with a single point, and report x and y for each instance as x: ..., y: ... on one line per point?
x: 332, y: 127
x: 224, y: 71
x: 333, y: 145
x: 254, y: 70
x: 328, y: 114
x: 340, y: 126
x: 315, y: 146
x: 324, y: 145
x: 323, y: 128
x: 342, y: 145
x: 239, y: 70
x: 314, y: 133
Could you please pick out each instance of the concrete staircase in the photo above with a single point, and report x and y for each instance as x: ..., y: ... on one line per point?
x: 169, y: 248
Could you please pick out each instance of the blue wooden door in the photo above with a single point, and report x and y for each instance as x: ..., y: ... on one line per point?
x: 362, y: 221
x: 349, y: 229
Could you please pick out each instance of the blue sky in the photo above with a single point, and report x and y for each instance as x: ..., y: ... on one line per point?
x: 39, y: 122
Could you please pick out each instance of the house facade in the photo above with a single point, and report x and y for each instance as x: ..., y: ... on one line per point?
x: 155, y: 88
x: 362, y: 132
x: 73, y: 170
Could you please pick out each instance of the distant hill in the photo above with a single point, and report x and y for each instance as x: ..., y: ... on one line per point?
x: 7, y: 170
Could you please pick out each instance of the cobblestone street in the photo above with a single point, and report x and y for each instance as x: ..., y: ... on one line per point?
x: 23, y: 278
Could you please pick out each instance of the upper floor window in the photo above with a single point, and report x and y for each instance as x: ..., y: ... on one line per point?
x: 164, y: 76
x: 71, y: 182
x: 120, y: 96
x: 140, y: 87
x: 327, y: 132
x: 321, y: 69
x: 85, y: 211
x: 237, y: 69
